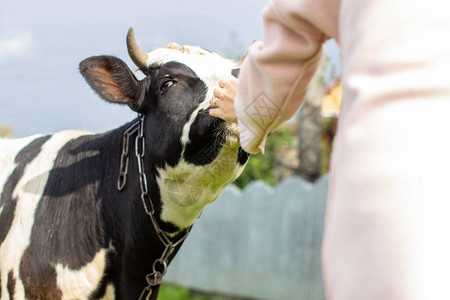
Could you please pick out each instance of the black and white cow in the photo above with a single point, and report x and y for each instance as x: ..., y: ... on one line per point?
x: 66, y: 231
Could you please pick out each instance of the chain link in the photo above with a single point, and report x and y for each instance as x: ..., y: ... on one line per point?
x: 147, y: 290
x: 124, y: 159
x: 159, y: 265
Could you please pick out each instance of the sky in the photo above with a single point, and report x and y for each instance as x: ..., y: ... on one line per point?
x: 42, y: 43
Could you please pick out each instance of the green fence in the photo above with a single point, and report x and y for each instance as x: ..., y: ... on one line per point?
x: 261, y: 243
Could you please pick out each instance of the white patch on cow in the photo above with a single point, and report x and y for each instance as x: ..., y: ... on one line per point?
x: 80, y: 284
x: 187, y: 127
x: 110, y: 293
x: 186, y: 188
x: 28, y: 196
x: 10, y: 149
x: 208, y: 66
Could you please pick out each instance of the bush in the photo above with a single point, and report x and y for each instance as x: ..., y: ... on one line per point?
x: 262, y: 167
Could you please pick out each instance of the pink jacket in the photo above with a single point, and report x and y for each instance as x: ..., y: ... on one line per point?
x: 277, y: 70
x: 387, y: 226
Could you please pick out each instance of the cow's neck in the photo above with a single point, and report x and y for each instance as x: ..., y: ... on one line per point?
x: 128, y: 228
x: 127, y: 205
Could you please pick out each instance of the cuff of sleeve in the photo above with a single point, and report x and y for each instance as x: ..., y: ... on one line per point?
x: 252, y: 137
x: 250, y: 142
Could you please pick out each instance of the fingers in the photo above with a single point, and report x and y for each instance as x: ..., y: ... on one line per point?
x: 217, y: 92
x: 229, y: 82
x: 214, y: 102
x: 223, y: 108
x: 226, y: 89
x: 229, y: 116
x: 215, y: 112
x: 223, y: 100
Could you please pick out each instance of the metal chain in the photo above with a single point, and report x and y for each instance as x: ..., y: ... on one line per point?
x: 122, y: 180
x: 159, y: 265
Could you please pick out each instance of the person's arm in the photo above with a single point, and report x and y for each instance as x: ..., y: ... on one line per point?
x: 274, y: 76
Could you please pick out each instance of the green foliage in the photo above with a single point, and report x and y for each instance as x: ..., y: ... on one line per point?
x: 262, y: 167
x: 176, y: 293
x: 170, y: 292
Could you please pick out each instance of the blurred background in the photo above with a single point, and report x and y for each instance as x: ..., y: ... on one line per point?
x: 41, y: 90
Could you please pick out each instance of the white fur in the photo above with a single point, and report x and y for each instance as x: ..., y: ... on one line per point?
x: 10, y: 149
x: 187, y: 188
x: 79, y: 284
x: 28, y: 196
x: 208, y: 66
x: 187, y: 127
x: 110, y: 293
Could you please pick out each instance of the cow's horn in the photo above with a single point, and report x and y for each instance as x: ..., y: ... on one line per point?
x: 138, y: 55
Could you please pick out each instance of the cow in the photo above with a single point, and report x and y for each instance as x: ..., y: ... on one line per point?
x: 100, y: 216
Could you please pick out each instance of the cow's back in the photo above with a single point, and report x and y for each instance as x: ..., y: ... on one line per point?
x: 9, y: 148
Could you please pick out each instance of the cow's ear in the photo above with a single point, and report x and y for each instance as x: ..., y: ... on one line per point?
x: 112, y: 80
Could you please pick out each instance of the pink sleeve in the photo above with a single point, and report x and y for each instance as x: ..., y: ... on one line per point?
x: 274, y: 76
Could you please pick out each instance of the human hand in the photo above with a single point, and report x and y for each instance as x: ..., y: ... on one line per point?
x: 223, y: 101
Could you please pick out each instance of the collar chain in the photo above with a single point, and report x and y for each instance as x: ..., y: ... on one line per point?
x: 159, y: 265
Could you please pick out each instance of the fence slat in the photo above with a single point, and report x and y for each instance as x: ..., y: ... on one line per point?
x: 261, y: 243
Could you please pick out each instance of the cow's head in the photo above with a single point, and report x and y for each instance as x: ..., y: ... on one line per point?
x: 193, y: 156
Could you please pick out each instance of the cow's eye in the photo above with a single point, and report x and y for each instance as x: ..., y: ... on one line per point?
x: 167, y: 84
